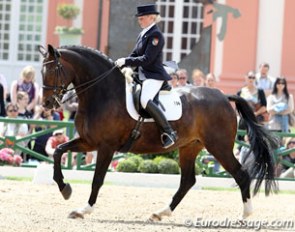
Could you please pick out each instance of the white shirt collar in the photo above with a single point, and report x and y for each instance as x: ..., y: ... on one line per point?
x: 146, y: 29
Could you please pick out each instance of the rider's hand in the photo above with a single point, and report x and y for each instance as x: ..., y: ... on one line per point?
x: 120, y: 62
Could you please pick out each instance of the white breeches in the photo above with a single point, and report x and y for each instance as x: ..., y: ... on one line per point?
x: 150, y: 87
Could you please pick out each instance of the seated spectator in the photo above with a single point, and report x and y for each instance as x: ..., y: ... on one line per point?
x: 22, y: 101
x: 198, y: 78
x: 40, y: 141
x: 286, y: 171
x: 56, y: 139
x: 13, y: 129
x: 210, y: 80
x: 280, y: 104
x: 174, y: 81
x: 182, y: 78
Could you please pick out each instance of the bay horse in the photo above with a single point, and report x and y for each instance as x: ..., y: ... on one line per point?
x: 103, y: 123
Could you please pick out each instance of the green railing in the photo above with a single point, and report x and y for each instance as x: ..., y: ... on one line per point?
x: 16, y: 144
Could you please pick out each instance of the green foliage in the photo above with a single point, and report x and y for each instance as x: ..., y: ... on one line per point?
x: 158, y: 159
x: 127, y: 166
x: 148, y: 166
x: 68, y: 11
x: 168, y: 166
x: 136, y: 159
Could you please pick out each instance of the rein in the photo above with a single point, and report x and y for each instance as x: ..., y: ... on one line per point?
x: 59, y: 72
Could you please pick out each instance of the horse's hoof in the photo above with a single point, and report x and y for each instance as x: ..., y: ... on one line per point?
x: 154, y: 218
x: 75, y: 215
x: 67, y: 191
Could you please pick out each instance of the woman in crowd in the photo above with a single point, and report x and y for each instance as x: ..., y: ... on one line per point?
x: 279, y: 105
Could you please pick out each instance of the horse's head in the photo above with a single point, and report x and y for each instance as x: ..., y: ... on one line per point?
x: 55, y: 80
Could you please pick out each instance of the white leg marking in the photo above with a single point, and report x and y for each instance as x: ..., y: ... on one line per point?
x: 79, y: 213
x: 248, y: 210
x: 157, y: 216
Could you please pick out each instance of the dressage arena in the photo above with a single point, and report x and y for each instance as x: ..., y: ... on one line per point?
x: 27, y: 206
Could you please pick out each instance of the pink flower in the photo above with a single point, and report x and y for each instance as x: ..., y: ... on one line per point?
x: 17, y: 160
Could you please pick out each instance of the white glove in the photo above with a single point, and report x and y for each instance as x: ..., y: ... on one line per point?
x: 120, y: 62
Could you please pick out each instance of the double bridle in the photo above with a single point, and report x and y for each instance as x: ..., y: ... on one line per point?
x: 60, y: 91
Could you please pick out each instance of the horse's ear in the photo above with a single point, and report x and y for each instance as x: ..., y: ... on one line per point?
x: 53, y: 51
x: 42, y: 50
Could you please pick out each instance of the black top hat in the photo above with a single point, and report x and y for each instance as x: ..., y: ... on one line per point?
x: 146, y: 10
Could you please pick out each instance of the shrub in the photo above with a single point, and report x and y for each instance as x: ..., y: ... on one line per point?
x: 158, y: 159
x: 136, y: 159
x: 148, y: 166
x: 168, y: 166
x: 126, y: 166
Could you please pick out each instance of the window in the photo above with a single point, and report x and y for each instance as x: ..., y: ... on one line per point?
x: 181, y: 25
x: 22, y: 29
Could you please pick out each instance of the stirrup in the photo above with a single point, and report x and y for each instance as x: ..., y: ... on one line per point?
x: 168, y: 139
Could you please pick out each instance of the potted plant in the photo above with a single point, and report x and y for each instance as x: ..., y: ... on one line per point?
x: 68, y: 34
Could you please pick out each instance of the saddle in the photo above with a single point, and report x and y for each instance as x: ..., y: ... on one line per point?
x: 136, y: 93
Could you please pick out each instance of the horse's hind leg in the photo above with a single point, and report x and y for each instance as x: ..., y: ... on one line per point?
x: 227, y: 159
x: 187, y: 157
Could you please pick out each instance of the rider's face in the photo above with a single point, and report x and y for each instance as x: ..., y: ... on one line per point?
x: 145, y: 20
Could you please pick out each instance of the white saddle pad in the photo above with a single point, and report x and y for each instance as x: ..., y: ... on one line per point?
x: 169, y: 99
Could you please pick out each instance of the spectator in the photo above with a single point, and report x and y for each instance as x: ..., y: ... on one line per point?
x: 198, y: 78
x: 13, y: 129
x: 210, y: 80
x: 27, y: 84
x: 2, y: 102
x: 174, y: 81
x: 286, y: 171
x: 182, y: 78
x: 40, y: 141
x: 3, y: 82
x: 264, y: 80
x: 22, y: 103
x: 256, y: 99
x: 279, y: 105
x: 56, y: 139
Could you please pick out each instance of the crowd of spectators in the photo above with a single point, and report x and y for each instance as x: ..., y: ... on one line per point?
x: 269, y: 98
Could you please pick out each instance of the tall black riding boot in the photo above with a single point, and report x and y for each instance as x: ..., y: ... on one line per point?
x: 168, y: 136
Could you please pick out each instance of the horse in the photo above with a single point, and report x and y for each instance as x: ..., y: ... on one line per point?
x: 208, y: 121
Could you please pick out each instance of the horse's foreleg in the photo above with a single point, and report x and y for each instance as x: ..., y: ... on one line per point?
x: 76, y: 145
x: 104, y: 158
x: 187, y: 156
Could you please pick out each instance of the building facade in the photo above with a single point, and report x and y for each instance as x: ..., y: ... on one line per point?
x: 226, y: 37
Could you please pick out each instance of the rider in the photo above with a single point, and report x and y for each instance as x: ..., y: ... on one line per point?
x: 147, y: 57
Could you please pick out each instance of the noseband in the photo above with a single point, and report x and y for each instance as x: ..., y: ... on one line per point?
x: 59, y: 91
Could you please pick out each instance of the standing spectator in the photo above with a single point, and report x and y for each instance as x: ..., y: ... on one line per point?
x: 71, y: 105
x: 56, y: 139
x: 264, y: 80
x: 3, y: 82
x: 2, y: 101
x: 255, y: 97
x: 210, y: 80
x: 286, y: 171
x: 27, y: 84
x: 182, y: 78
x: 280, y: 104
x: 198, y: 78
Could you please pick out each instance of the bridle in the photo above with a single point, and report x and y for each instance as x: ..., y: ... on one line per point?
x: 60, y: 91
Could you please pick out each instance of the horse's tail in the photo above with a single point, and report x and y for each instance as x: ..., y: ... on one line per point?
x: 262, y: 144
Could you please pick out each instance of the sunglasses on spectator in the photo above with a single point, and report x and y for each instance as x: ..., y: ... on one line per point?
x: 182, y: 78
x: 252, y: 77
x: 281, y: 83
x: 57, y: 134
x: 12, y: 110
x: 291, y: 142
